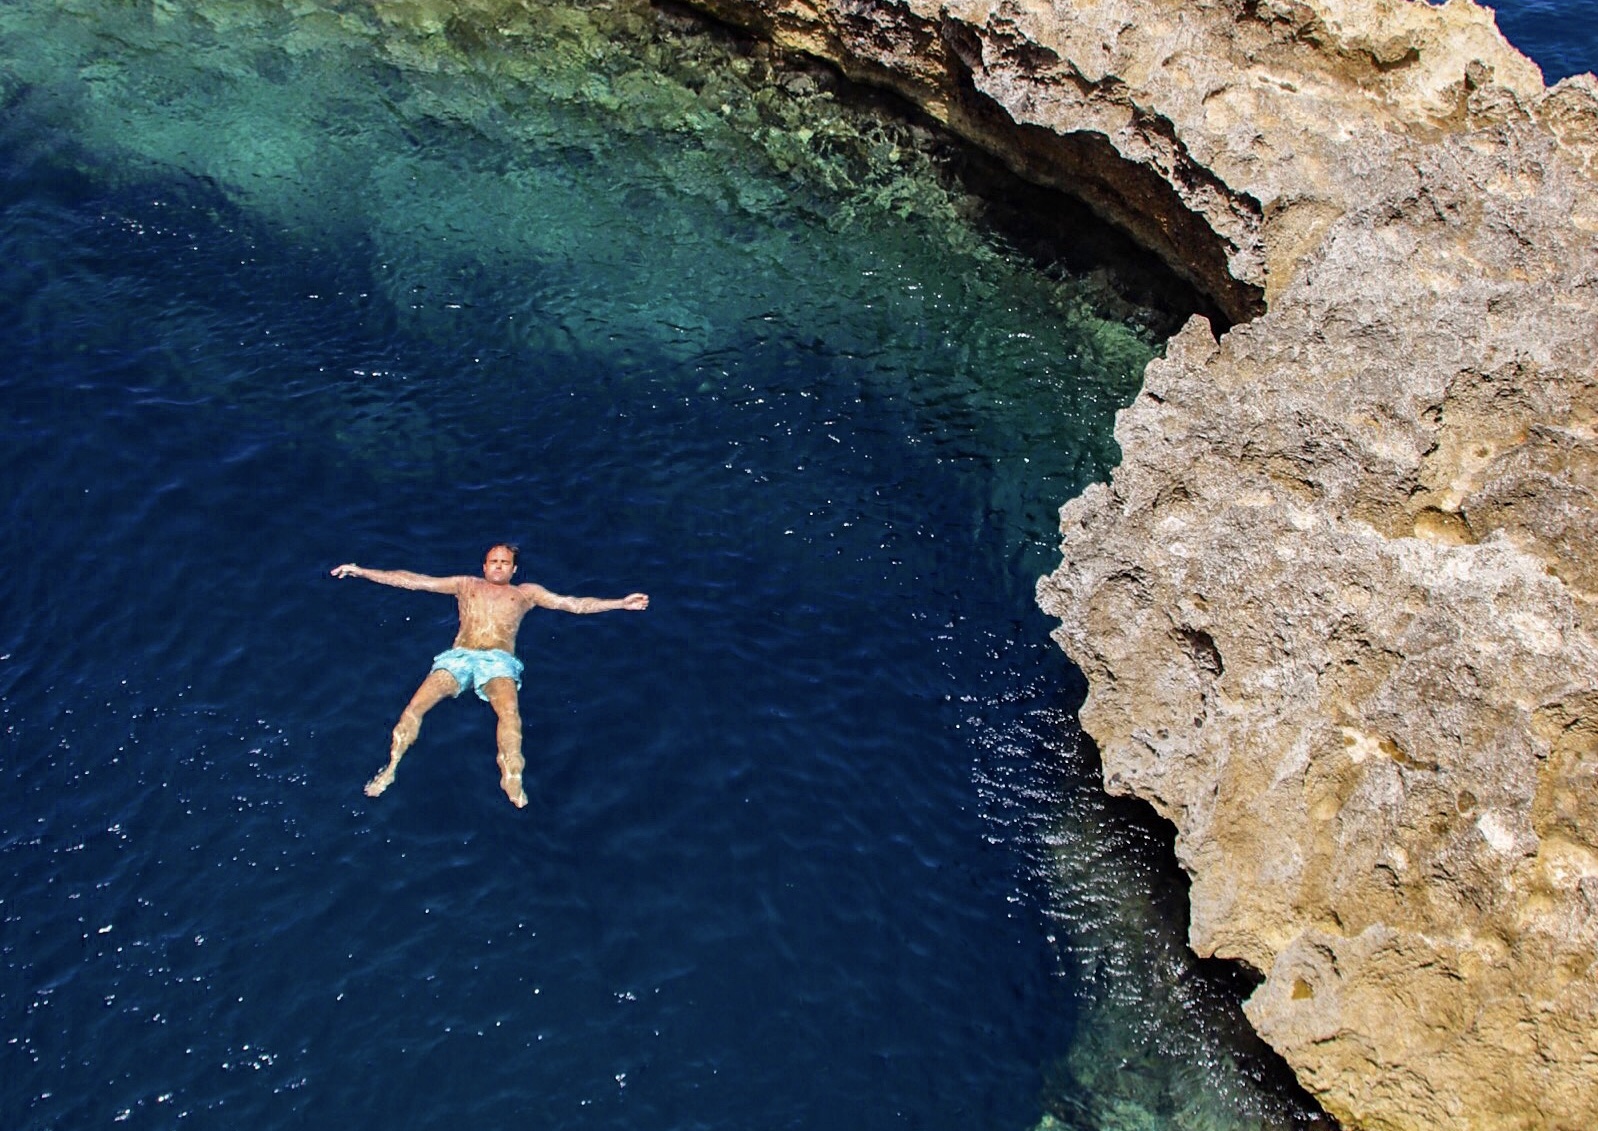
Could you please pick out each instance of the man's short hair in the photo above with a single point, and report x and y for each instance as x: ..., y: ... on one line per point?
x: 515, y: 550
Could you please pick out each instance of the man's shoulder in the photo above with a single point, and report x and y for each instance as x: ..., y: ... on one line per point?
x: 535, y: 594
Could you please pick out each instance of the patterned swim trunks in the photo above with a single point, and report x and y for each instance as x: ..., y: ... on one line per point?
x: 474, y: 667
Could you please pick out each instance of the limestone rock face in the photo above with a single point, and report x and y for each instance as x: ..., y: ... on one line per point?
x: 1336, y: 607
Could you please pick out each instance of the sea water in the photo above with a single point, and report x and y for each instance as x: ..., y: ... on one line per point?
x: 1561, y: 36
x: 812, y: 843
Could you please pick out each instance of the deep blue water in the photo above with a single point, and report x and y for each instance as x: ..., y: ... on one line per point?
x: 812, y: 843
x: 754, y: 885
x: 1561, y: 36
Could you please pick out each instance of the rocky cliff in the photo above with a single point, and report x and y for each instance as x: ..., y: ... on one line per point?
x: 1336, y: 606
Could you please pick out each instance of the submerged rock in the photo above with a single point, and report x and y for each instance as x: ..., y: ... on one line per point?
x: 1336, y: 606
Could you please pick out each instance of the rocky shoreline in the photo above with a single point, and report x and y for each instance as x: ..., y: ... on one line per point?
x: 1336, y: 606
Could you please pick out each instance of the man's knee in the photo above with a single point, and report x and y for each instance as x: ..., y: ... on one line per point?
x: 406, y: 729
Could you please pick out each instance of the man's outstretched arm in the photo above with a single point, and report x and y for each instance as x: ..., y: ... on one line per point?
x: 400, y: 578
x: 544, y: 599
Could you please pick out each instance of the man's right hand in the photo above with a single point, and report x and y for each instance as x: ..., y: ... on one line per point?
x: 349, y: 569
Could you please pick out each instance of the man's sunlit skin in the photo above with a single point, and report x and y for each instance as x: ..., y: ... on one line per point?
x: 484, y: 654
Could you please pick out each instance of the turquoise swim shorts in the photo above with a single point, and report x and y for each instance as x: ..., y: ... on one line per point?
x: 473, y: 667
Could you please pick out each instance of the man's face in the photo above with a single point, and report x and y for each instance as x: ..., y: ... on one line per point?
x: 498, y: 566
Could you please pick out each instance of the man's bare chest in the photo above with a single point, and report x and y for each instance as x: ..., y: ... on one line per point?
x: 499, y: 603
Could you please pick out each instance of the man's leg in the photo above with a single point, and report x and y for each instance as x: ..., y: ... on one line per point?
x: 501, y: 693
x: 438, y: 685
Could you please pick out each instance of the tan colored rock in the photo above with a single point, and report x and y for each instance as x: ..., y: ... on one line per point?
x: 1336, y: 607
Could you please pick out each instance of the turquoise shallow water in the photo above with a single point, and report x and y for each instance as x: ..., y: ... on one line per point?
x: 813, y: 842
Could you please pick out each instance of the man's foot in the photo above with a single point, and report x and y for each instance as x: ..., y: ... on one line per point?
x: 511, y: 782
x: 382, y: 781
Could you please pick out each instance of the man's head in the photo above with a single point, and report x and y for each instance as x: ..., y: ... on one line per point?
x: 500, y: 563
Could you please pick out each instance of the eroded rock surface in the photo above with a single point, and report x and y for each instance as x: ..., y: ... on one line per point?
x: 1336, y: 607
